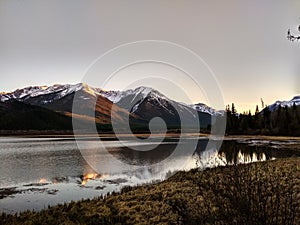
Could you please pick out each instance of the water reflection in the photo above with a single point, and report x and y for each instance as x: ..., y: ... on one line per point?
x: 38, y: 172
x: 92, y: 176
x: 233, y: 152
x: 56, y: 160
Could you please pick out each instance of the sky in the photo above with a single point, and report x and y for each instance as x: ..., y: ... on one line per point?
x: 243, y: 42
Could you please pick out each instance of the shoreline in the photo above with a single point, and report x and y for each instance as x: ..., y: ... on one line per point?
x: 286, y: 143
x: 46, y: 134
x: 187, y: 196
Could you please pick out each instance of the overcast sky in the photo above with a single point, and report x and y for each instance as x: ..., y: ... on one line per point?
x: 244, y: 42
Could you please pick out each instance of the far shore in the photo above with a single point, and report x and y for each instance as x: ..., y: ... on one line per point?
x: 69, y: 134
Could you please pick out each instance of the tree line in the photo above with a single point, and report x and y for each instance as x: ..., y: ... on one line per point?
x: 282, y: 121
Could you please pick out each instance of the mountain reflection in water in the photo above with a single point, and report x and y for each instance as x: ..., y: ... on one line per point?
x: 38, y: 172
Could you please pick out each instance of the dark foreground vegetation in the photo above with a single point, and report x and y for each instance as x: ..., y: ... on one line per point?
x: 257, y: 193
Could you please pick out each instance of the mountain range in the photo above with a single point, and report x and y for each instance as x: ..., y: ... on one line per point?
x: 51, y: 108
x: 295, y: 101
x: 55, y: 103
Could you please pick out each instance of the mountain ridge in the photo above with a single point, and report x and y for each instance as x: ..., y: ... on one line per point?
x: 114, y: 96
x: 136, y: 106
x: 88, y: 105
x: 295, y: 100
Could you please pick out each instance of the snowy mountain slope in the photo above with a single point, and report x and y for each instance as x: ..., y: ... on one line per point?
x: 205, y: 108
x: 295, y: 100
x: 140, y: 93
x: 130, y: 99
x: 117, y: 96
x: 41, y: 95
x: 142, y: 103
x: 60, y: 98
x: 46, y: 94
x: 147, y: 103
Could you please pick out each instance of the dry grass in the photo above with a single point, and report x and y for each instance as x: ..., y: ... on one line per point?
x: 258, y: 193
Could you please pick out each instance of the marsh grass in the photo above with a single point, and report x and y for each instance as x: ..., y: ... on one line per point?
x: 257, y: 193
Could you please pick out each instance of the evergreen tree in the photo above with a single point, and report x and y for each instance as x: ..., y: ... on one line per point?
x: 256, y: 110
x: 233, y: 110
x: 267, y: 114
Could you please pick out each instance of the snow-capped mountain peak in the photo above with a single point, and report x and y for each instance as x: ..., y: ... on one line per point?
x: 295, y: 100
x: 130, y: 98
x: 35, y: 91
x: 203, y: 108
x: 143, y: 90
x: 139, y: 92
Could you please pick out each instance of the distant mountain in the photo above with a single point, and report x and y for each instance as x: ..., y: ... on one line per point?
x: 40, y: 95
x: 60, y: 98
x: 43, y: 95
x: 54, y: 107
x: 205, y: 108
x: 143, y: 92
x: 148, y: 103
x: 277, y: 104
x: 139, y: 105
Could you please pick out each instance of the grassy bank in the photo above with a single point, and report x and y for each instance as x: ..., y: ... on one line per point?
x: 258, y: 193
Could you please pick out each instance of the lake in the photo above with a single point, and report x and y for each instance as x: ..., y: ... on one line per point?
x: 37, y: 172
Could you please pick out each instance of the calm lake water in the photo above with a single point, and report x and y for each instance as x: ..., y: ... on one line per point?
x: 37, y: 172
